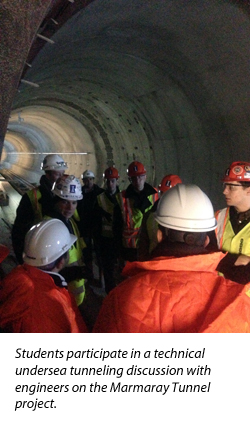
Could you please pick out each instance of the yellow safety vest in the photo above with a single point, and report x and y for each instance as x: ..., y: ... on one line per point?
x: 76, y: 287
x: 34, y: 195
x: 152, y: 227
x: 107, y: 206
x: 132, y: 218
x: 227, y: 240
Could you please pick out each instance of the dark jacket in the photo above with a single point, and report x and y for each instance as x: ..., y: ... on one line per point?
x: 25, y: 216
x: 85, y: 208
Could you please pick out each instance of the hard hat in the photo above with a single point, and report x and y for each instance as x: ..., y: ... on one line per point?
x: 111, y: 173
x: 238, y: 171
x: 4, y: 251
x: 88, y: 173
x: 168, y: 182
x: 68, y: 187
x: 186, y: 208
x: 47, y: 241
x: 53, y: 162
x: 136, y: 168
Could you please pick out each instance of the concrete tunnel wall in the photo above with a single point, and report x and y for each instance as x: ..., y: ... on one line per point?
x: 166, y: 83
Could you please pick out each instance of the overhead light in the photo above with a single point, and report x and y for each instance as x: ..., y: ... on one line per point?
x: 48, y: 153
x: 45, y: 39
x: 30, y: 83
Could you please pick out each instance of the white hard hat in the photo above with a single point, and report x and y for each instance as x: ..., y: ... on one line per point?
x: 53, y: 162
x: 186, y: 208
x: 68, y: 187
x: 47, y: 241
x: 88, y: 173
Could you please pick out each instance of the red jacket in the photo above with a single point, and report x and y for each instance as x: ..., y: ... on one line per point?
x: 31, y: 302
x: 176, y: 295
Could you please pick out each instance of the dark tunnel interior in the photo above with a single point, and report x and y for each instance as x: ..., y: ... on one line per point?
x: 166, y: 83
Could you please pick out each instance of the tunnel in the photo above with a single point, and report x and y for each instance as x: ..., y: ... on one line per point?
x: 162, y: 82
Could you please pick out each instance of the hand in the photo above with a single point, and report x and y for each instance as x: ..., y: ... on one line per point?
x: 242, y: 260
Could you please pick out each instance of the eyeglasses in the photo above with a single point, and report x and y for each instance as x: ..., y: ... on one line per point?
x: 61, y: 164
x: 231, y: 186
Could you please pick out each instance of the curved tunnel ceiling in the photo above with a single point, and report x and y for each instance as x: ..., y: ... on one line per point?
x: 166, y: 83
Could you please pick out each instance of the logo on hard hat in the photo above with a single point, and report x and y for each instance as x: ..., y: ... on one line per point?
x: 247, y: 168
x: 135, y: 168
x: 237, y: 170
x: 168, y: 183
x: 59, y: 186
x: 72, y: 189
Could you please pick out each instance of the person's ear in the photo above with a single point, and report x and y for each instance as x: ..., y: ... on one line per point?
x: 59, y: 265
x: 159, y: 235
x: 207, y: 241
x: 62, y: 262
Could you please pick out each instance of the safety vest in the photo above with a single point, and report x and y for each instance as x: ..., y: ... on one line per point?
x: 76, y: 287
x: 132, y: 218
x: 108, y: 207
x: 34, y: 195
x: 152, y: 228
x: 172, y: 287
x: 227, y: 240
x: 30, y: 302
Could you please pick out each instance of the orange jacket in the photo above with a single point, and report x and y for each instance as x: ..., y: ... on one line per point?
x: 175, y: 295
x: 31, y: 302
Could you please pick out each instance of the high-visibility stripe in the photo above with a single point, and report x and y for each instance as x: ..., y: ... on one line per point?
x: 221, y: 217
x: 34, y: 196
x: 130, y: 231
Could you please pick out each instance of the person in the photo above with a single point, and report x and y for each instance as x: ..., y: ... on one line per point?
x: 36, y: 203
x: 179, y: 289
x: 90, y: 191
x: 67, y: 192
x: 147, y: 239
x: 34, y: 296
x: 233, y: 223
x: 103, y: 232
x: 233, y: 229
x: 133, y: 202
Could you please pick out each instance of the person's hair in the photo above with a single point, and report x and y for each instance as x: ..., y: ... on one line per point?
x: 195, y: 238
x: 53, y: 264
x: 190, y: 238
x: 245, y: 184
x: 57, y: 199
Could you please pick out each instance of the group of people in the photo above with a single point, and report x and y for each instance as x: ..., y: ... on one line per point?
x: 169, y: 262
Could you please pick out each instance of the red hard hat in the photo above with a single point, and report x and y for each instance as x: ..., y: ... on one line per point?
x: 238, y: 171
x: 4, y: 251
x: 168, y: 182
x: 111, y: 173
x: 136, y: 168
